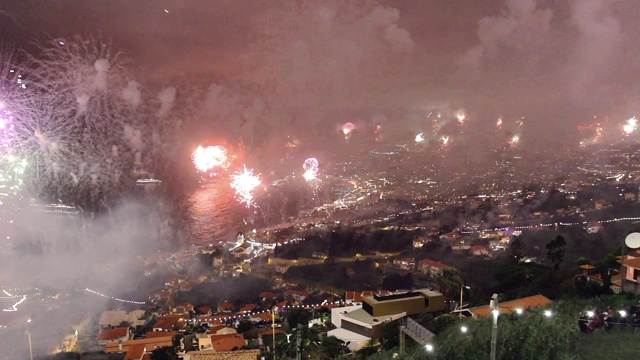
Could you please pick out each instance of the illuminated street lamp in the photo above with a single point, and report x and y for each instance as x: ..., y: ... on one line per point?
x: 462, y: 287
x: 494, y: 329
x: 29, y: 338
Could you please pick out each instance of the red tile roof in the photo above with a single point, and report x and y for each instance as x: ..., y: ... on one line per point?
x: 511, y: 306
x: 167, y: 322
x: 227, y: 342
x: 135, y: 352
x: 214, y: 329
x: 248, y: 307
x: 114, y: 346
x: 157, y: 334
x: 113, y: 334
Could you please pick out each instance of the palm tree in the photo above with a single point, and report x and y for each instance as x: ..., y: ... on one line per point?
x: 449, y: 284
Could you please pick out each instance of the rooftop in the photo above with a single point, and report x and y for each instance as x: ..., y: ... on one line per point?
x: 510, y: 306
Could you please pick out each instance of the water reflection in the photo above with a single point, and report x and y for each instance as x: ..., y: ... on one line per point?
x: 215, y: 215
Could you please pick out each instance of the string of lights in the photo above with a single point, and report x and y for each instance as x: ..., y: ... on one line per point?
x: 554, y: 224
x: 281, y: 308
x: 14, y: 307
x: 115, y: 298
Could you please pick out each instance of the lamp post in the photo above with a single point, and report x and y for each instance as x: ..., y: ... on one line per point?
x: 29, y: 338
x: 462, y: 287
x: 494, y: 329
x: 273, y: 329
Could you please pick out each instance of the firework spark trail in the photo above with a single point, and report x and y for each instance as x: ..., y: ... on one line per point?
x: 244, y: 183
x: 76, y: 146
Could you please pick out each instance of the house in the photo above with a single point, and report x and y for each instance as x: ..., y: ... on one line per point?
x: 117, y: 334
x: 509, y: 306
x: 248, y: 308
x: 170, y: 322
x: 405, y: 263
x: 157, y: 334
x: 355, y: 297
x: 138, y: 352
x: 450, y: 236
x: 217, y: 261
x: 226, y: 307
x: 419, y: 242
x: 244, y: 249
x: 204, y: 309
x: 359, y: 324
x: 630, y: 273
x: 460, y: 247
x: 225, y: 355
x: 479, y: 250
x: 221, y: 330
x: 227, y: 342
x: 149, y: 344
x: 182, y: 308
x: 593, y: 227
x: 261, y: 316
x: 296, y: 295
x: 433, y: 268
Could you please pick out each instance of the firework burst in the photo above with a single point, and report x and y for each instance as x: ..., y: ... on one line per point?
x: 206, y: 159
x: 311, y: 168
x: 244, y: 182
x: 630, y: 126
x: 347, y: 129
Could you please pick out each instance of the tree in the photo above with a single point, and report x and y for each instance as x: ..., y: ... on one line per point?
x: 390, y: 336
x: 164, y: 353
x: 517, y: 249
x: 449, y: 284
x: 555, y: 251
x: 330, y: 348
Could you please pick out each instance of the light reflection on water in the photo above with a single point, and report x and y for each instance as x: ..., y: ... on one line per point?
x: 215, y: 214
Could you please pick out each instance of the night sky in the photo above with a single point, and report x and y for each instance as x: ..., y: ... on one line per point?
x: 558, y: 63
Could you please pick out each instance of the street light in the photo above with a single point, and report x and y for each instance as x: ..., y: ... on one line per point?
x: 462, y: 287
x: 494, y: 329
x: 29, y: 337
x: 428, y: 347
x: 273, y: 329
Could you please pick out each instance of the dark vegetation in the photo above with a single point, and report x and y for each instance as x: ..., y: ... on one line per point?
x: 347, y: 242
x: 242, y: 290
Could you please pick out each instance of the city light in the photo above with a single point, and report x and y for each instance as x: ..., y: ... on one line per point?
x: 464, y: 329
x: 548, y: 313
x: 428, y: 347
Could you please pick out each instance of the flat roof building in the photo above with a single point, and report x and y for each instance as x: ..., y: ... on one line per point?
x: 411, y: 302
